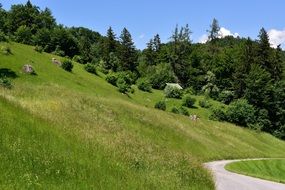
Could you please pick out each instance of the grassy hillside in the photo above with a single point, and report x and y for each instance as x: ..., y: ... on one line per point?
x: 75, y: 131
x: 273, y: 170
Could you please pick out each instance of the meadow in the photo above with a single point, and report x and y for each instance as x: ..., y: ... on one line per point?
x: 62, y: 130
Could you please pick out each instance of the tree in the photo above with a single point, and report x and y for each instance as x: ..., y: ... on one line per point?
x: 180, y: 47
x: 109, y: 46
x: 277, y: 69
x: 258, y: 86
x: 23, y: 35
x: 128, y: 54
x: 246, y: 59
x: 214, y: 30
x: 264, y: 52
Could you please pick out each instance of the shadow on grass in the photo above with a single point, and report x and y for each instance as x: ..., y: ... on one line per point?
x: 8, y: 73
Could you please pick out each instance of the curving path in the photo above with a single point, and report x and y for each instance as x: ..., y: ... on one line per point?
x: 226, y: 180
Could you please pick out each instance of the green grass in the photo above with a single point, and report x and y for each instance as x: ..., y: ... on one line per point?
x: 62, y: 130
x: 273, y: 170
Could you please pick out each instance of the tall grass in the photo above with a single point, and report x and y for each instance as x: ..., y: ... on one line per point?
x: 63, y: 130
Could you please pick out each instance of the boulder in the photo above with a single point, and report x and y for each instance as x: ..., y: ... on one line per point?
x: 56, y: 62
x: 28, y: 69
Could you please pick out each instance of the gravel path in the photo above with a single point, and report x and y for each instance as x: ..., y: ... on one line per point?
x: 226, y: 180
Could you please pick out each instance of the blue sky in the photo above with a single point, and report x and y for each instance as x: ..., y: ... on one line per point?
x: 145, y: 18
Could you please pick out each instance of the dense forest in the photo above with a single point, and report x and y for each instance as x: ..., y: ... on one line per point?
x: 245, y: 74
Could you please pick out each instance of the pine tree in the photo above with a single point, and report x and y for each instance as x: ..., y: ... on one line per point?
x: 109, y: 46
x: 128, y: 54
x: 247, y: 58
x: 264, y: 51
x: 277, y: 69
x: 156, y: 42
x: 214, y: 30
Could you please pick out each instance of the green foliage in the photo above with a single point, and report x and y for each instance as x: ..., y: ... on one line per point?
x: 175, y: 110
x: 3, y: 37
x: 67, y: 65
x: 5, y: 82
x: 188, y: 101
x: 23, y: 35
x: 226, y: 96
x: 90, y: 68
x: 161, y: 105
x: 173, y: 92
x: 39, y: 49
x: 218, y: 114
x: 183, y: 111
x: 5, y: 50
x: 205, y: 103
x: 241, y: 113
x: 122, y: 85
x: 144, y: 85
x: 112, y: 78
x: 162, y: 74
x: 78, y: 59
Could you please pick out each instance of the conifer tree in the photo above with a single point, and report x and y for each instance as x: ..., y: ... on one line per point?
x: 128, y: 55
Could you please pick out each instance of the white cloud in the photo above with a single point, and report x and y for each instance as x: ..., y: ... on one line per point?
x: 203, y: 39
x: 142, y: 36
x: 222, y: 33
x: 225, y: 32
x: 276, y: 37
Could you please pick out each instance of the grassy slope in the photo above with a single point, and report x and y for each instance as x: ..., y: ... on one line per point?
x: 273, y: 170
x: 97, y: 137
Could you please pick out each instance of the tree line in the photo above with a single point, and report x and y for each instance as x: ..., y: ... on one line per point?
x: 240, y: 72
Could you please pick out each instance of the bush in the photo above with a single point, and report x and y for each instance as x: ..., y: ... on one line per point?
x: 3, y: 38
x: 39, y: 49
x: 172, y: 92
x: 5, y: 82
x: 144, y: 85
x: 5, y: 50
x: 122, y: 85
x: 183, y: 111
x: 218, y: 114
x: 78, y: 59
x: 161, y: 105
x: 205, y: 103
x: 90, y: 68
x: 241, y: 113
x: 188, y: 101
x: 67, y: 65
x: 112, y: 79
x: 175, y: 110
x: 226, y: 96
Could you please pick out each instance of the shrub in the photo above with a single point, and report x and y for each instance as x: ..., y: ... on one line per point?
x: 226, y: 96
x: 144, y: 85
x: 39, y: 49
x: 5, y: 82
x: 122, y: 85
x: 78, y: 59
x: 5, y: 50
x: 188, y: 101
x: 67, y: 65
x: 3, y: 38
x: 175, y: 110
x: 90, y: 68
x: 218, y: 114
x: 112, y: 79
x: 161, y: 105
x: 205, y: 103
x: 183, y: 111
x: 172, y: 92
x: 241, y: 113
